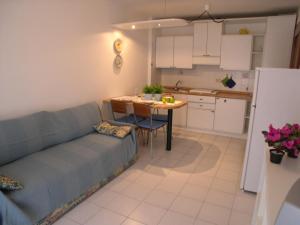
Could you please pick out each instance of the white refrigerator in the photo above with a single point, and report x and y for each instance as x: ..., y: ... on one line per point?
x: 276, y: 100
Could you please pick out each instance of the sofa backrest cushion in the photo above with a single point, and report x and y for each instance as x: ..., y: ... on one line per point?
x: 76, y: 122
x: 26, y: 135
x: 22, y: 136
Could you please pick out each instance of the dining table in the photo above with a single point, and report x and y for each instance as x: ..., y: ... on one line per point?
x: 158, y: 105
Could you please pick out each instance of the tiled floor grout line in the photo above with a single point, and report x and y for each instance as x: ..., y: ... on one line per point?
x: 169, y: 208
x: 231, y: 208
x: 210, y: 187
x: 198, y: 214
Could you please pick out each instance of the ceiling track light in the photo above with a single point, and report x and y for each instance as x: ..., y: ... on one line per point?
x: 163, y: 23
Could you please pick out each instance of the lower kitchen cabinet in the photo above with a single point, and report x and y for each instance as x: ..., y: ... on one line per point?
x: 200, y: 115
x: 230, y: 115
x: 179, y: 115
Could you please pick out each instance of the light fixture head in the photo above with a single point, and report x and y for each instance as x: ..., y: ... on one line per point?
x: 206, y: 7
x: 152, y: 24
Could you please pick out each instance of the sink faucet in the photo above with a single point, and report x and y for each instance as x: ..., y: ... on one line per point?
x: 177, y: 84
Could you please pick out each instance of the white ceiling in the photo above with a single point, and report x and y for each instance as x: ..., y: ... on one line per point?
x: 155, y: 8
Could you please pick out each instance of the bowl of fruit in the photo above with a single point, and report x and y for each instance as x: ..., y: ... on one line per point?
x: 168, y: 99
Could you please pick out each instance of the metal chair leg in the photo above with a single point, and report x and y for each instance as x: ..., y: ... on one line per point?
x: 165, y: 134
x: 148, y: 131
x: 151, y: 138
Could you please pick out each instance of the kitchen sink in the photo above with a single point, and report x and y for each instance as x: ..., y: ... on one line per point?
x: 203, y: 91
x: 179, y: 90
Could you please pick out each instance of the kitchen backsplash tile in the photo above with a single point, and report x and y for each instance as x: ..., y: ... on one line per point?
x: 208, y: 77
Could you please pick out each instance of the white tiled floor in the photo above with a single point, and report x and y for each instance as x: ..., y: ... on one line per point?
x: 197, y: 183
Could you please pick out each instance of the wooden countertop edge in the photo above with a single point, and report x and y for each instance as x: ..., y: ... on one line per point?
x: 157, y: 106
x: 166, y: 106
x: 219, y: 93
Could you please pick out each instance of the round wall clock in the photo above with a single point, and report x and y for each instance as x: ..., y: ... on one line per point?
x: 118, y: 61
x: 118, y: 45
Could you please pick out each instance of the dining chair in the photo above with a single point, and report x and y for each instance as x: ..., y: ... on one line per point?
x: 142, y: 110
x: 120, y: 107
x: 159, y: 117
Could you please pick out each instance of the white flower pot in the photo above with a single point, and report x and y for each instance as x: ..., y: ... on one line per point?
x: 157, y: 97
x: 148, y: 96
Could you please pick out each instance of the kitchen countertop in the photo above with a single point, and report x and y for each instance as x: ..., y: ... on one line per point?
x: 278, y: 181
x: 218, y: 93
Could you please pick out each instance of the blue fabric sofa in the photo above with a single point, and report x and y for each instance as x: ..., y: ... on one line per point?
x: 60, y: 160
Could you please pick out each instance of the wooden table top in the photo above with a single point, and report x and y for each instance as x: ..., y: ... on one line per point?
x: 154, y: 104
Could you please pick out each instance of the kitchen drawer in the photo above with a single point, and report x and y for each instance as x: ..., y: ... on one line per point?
x: 203, y: 106
x: 205, y: 99
x: 200, y: 118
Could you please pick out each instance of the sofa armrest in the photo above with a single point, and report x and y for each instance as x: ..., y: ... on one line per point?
x: 10, y: 214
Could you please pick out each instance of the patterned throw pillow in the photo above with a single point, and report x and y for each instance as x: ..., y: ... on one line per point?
x: 9, y: 184
x: 112, y: 130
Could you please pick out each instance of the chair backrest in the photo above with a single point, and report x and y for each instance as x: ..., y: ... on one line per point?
x: 118, y: 106
x: 142, y: 110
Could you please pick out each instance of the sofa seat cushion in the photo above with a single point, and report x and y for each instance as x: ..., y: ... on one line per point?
x: 59, y: 174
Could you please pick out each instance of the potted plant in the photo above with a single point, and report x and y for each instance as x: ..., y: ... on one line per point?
x: 274, y: 140
x: 285, y: 139
x: 157, y: 91
x: 148, y: 92
x: 291, y: 142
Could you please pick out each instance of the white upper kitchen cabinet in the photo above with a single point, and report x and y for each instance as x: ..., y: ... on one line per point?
x: 165, y: 52
x: 207, y: 43
x: 214, y: 38
x: 230, y: 115
x: 279, y: 41
x: 174, y: 52
x: 236, y: 52
x: 183, y: 52
x: 200, y: 39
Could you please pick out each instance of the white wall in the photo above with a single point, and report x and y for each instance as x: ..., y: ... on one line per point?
x: 58, y: 53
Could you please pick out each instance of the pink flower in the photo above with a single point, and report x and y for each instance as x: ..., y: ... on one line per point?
x: 297, y: 141
x: 289, y: 144
x: 273, y: 135
x: 272, y: 129
x: 286, y: 131
x: 296, y: 126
